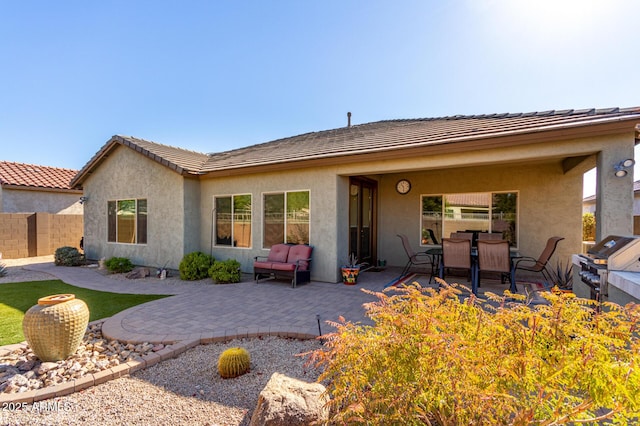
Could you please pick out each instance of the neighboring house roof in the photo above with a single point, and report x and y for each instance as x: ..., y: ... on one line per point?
x: 33, y: 176
x: 592, y: 198
x: 386, y: 138
x: 468, y: 200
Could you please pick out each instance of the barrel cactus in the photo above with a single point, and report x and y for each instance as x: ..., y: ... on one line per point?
x: 234, y: 362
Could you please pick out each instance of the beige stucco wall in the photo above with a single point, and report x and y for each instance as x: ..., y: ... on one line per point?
x: 614, y: 211
x: 126, y: 174
x: 550, y: 198
x: 180, y: 210
x: 191, y: 216
x: 31, y: 201
x: 321, y: 184
x: 549, y: 204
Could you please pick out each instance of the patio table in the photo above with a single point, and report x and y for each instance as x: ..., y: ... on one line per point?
x: 436, y: 252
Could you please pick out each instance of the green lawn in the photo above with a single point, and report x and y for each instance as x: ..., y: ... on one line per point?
x: 17, y: 298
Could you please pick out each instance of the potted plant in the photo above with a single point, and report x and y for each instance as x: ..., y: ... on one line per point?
x: 350, y: 270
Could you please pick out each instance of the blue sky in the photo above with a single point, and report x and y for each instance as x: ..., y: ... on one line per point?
x: 214, y: 75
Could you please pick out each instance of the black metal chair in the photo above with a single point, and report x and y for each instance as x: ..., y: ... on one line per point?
x: 415, y: 258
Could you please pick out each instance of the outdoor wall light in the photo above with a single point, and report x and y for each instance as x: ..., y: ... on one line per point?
x: 83, y: 199
x: 622, y: 166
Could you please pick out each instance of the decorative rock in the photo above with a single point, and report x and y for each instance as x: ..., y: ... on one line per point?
x: 46, y: 366
x: 18, y: 380
x: 285, y: 402
x: 93, y: 355
x: 138, y: 273
x: 26, y: 365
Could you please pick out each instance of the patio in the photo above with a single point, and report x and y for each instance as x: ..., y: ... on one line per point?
x: 207, y: 312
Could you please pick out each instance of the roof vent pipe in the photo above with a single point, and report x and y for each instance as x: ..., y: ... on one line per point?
x: 348, y: 119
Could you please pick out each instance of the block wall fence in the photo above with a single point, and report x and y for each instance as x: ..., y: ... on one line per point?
x: 37, y: 234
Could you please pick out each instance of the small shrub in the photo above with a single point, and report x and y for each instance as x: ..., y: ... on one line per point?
x: 227, y: 271
x: 118, y: 265
x: 234, y: 362
x: 588, y: 227
x: 3, y: 270
x: 195, y: 266
x: 431, y: 358
x: 68, y: 256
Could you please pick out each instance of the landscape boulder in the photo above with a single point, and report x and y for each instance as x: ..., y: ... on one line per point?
x: 139, y: 273
x: 285, y: 401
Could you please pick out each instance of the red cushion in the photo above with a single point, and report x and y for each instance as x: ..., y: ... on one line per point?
x: 300, y: 251
x: 283, y: 266
x: 262, y: 265
x: 278, y: 253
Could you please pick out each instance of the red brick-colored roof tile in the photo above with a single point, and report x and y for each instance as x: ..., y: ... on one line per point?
x: 30, y: 175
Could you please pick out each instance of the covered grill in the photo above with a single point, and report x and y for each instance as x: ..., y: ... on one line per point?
x: 613, y: 253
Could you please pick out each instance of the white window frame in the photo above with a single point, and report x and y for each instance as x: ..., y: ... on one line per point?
x: 284, y: 193
x: 233, y: 216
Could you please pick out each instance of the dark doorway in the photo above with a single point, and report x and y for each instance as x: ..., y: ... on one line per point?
x: 362, y: 219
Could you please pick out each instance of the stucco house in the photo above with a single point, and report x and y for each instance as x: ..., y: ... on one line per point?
x: 32, y: 188
x: 353, y: 189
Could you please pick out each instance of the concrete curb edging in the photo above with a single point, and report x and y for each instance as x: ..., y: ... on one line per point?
x: 172, y: 350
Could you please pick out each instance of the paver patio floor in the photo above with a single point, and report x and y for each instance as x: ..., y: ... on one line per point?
x: 213, y: 312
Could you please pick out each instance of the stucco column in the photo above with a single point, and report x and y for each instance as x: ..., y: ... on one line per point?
x: 614, y: 199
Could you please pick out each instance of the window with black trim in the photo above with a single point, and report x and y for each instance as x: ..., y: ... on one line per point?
x: 127, y: 221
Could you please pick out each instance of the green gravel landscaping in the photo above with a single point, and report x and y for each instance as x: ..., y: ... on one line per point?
x: 17, y: 298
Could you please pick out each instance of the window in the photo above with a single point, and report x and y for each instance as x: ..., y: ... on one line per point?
x: 127, y: 221
x: 233, y: 220
x: 286, y: 218
x: 479, y: 212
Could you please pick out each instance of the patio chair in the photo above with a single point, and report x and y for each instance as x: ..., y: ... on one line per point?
x: 462, y: 236
x: 539, y: 265
x: 484, y: 236
x: 493, y: 256
x: 415, y: 258
x: 456, y: 254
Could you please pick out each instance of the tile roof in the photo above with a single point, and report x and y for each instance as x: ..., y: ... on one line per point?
x: 384, y: 136
x: 180, y: 160
x: 377, y: 137
x: 33, y: 176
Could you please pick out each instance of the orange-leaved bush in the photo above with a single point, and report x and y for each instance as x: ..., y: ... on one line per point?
x: 435, y: 357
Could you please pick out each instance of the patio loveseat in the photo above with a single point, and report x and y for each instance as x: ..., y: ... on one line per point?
x: 285, y: 260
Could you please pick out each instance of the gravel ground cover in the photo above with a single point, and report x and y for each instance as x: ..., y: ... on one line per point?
x: 186, y: 390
